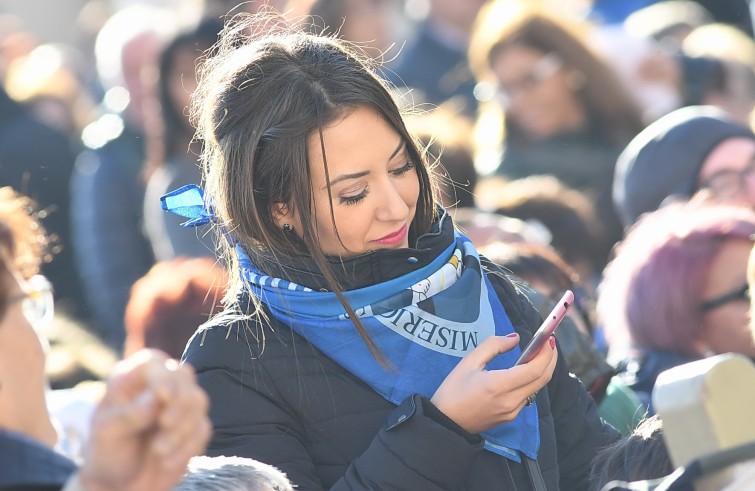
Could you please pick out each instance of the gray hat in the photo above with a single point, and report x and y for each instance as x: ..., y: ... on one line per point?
x: 665, y: 158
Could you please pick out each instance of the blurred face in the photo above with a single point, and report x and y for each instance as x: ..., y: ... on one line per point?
x: 726, y: 322
x: 458, y: 13
x: 183, y: 81
x: 373, y: 183
x: 729, y: 172
x: 536, y: 91
x: 22, y: 372
x: 370, y: 22
x: 139, y: 63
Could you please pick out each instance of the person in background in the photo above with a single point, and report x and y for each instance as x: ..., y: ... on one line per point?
x: 370, y: 24
x: 39, y: 160
x: 107, y: 185
x: 642, y: 455
x: 565, y: 110
x: 445, y: 135
x: 690, y: 151
x: 734, y: 12
x: 231, y: 474
x: 151, y: 420
x: 171, y: 152
x: 434, y: 64
x: 676, y: 291
x: 170, y: 301
x: 569, y: 216
x: 736, y: 51
x: 332, y: 230
x: 50, y: 82
x: 668, y: 23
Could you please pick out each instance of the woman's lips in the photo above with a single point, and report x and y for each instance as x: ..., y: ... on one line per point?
x: 394, y: 238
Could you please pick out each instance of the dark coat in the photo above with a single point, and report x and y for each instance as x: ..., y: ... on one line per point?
x: 279, y: 400
x: 37, y: 161
x: 29, y: 465
x: 107, y: 220
x: 437, y: 69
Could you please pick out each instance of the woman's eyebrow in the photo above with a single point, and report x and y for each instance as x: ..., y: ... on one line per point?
x: 401, y: 145
x: 356, y: 175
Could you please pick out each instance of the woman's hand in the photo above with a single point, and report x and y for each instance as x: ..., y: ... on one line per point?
x: 151, y: 421
x: 478, y: 399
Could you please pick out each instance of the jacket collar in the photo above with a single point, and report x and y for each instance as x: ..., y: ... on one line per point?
x: 26, y: 462
x: 366, y: 269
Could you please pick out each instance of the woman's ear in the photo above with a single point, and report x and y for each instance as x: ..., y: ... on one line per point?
x: 283, y: 215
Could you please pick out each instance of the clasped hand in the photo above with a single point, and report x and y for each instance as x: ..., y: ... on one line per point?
x: 151, y: 421
x: 478, y: 399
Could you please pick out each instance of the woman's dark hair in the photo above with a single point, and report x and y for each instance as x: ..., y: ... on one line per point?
x: 540, y: 264
x: 259, y: 100
x: 174, y: 121
x: 567, y: 213
x: 608, y: 104
x: 640, y: 456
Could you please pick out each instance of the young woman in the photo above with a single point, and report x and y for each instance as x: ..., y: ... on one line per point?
x: 566, y: 113
x: 365, y: 344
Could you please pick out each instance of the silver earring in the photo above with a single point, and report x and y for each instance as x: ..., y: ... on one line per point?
x: 287, y: 227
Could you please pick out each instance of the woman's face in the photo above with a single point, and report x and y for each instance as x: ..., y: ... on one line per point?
x: 373, y: 183
x: 22, y: 372
x: 726, y: 327
x: 537, y: 91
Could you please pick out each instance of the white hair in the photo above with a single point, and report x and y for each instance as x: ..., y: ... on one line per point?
x: 232, y: 474
x: 121, y: 28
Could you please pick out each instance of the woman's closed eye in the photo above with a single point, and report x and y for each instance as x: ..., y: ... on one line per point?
x: 401, y: 171
x: 353, y: 199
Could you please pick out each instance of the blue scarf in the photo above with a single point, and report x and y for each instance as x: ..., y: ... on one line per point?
x: 423, y: 322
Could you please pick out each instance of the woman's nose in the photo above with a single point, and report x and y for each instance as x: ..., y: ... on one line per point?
x: 391, y: 204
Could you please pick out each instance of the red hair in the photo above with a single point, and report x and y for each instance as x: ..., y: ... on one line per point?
x: 169, y: 303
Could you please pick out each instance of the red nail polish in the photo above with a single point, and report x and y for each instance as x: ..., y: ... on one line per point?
x: 512, y: 335
x: 552, y: 341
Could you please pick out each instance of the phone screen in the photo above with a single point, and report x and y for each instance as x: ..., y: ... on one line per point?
x: 547, y: 328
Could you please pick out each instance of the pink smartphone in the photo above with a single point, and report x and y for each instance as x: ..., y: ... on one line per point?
x: 547, y: 328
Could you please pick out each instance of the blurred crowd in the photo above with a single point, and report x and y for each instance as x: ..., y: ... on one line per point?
x: 604, y: 147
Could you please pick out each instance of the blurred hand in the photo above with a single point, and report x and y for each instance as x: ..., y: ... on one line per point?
x: 151, y: 421
x: 478, y: 399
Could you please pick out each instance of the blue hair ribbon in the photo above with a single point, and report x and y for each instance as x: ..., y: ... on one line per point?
x: 189, y: 202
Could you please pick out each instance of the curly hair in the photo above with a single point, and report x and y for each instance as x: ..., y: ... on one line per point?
x: 23, y: 240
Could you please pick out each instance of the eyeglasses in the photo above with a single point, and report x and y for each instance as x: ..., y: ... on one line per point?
x: 729, y: 182
x: 37, y: 300
x: 542, y: 70
x: 742, y: 293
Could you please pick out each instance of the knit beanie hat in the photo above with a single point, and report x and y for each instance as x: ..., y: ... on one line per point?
x: 665, y: 158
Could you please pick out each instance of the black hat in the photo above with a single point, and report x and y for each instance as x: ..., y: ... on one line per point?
x: 664, y: 160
